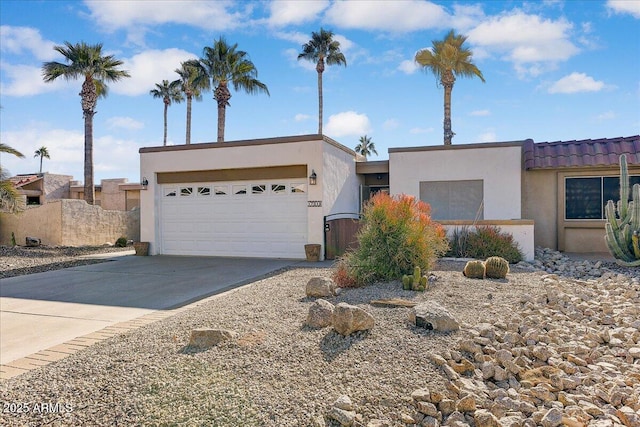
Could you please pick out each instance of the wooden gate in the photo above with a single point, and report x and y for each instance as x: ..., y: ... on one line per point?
x: 340, y: 234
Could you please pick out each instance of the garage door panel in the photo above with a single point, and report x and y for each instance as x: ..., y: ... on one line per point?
x: 269, y: 224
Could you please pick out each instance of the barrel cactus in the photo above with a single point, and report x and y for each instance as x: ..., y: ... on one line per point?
x: 474, y: 270
x: 622, y: 229
x: 496, y: 267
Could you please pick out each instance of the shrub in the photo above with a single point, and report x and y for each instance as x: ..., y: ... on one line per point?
x: 397, y: 233
x: 121, y: 242
x: 489, y: 241
x: 459, y: 242
x: 341, y: 276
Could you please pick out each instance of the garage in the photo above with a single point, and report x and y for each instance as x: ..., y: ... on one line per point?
x: 265, y: 218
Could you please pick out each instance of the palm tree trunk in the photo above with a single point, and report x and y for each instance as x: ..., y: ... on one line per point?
x: 40, y: 163
x: 320, y: 70
x: 166, y: 107
x: 222, y: 96
x: 448, y: 79
x: 188, y: 139
x: 89, y: 189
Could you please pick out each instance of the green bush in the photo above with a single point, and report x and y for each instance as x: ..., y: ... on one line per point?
x: 121, y: 242
x: 488, y: 241
x: 397, y: 233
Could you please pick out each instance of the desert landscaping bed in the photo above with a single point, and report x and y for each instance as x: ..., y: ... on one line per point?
x: 533, y: 349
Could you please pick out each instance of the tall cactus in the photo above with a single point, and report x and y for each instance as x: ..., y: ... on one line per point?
x: 623, y: 222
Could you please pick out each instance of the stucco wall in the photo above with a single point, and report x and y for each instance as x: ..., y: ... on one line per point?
x: 57, y: 186
x: 498, y: 165
x: 70, y: 223
x: 111, y: 197
x: 540, y: 194
x: 43, y: 222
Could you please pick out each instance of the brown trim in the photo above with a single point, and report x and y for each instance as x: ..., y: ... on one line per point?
x: 248, y: 143
x: 457, y: 147
x: 378, y: 166
x: 241, y: 174
x: 487, y: 222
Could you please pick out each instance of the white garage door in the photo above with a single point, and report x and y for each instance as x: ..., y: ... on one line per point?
x: 245, y: 219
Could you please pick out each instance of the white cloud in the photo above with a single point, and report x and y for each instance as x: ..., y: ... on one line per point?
x: 387, y: 15
x: 124, y: 123
x: 302, y: 117
x: 390, y: 124
x: 417, y: 131
x: 113, y: 157
x: 347, y: 123
x: 488, y: 136
x: 17, y: 40
x: 480, y: 113
x: 631, y: 7
x: 532, y: 43
x: 575, y: 83
x: 284, y: 12
x: 148, y: 68
x: 295, y: 37
x: 135, y: 15
x: 466, y: 17
x: 607, y: 115
x: 25, y: 80
x: 408, y: 66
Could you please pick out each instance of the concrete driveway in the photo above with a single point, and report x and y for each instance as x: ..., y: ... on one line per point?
x: 42, y: 310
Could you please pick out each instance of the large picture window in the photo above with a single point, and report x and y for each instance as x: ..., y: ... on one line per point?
x: 454, y: 199
x: 586, y: 197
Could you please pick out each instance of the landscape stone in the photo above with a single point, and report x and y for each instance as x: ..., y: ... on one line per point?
x: 347, y: 319
x: 206, y: 338
x: 431, y: 315
x: 320, y: 287
x: 320, y: 313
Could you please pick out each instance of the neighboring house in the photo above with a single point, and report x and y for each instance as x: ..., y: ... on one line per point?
x: 567, y: 185
x: 112, y: 194
x: 42, y: 187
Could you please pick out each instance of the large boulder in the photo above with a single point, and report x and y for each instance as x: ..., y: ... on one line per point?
x: 348, y: 319
x: 431, y: 315
x: 320, y: 314
x: 320, y: 287
x: 206, y: 338
x: 32, y: 242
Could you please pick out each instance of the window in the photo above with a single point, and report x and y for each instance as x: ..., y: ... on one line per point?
x: 170, y: 193
x: 258, y: 189
x: 204, y: 191
x: 586, y: 197
x: 454, y: 199
x: 239, y: 189
x: 298, y: 188
x: 278, y: 188
x: 186, y: 191
x: 220, y: 190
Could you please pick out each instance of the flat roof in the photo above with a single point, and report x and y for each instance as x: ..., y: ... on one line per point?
x: 459, y: 146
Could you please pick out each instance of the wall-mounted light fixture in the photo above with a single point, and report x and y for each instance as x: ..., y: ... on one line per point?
x: 145, y: 182
x: 313, y: 178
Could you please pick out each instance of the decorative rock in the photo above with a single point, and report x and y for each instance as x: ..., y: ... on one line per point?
x: 393, y: 303
x: 344, y: 418
x: 628, y: 416
x: 421, y: 395
x: 32, y: 242
x: 344, y: 402
x: 206, y: 338
x: 347, y: 319
x: 320, y: 313
x: 320, y: 287
x: 466, y: 404
x: 484, y: 418
x: 553, y: 418
x: 431, y: 315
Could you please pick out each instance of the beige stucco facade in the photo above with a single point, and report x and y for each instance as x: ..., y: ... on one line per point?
x: 334, y: 165
x: 69, y: 223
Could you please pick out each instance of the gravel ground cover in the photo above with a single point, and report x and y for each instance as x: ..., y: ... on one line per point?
x: 279, y: 372
x: 20, y: 260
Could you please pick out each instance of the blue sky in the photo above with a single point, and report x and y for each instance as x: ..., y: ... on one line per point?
x: 554, y: 70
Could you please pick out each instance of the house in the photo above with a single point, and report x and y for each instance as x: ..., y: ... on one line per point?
x: 112, y: 194
x: 37, y: 189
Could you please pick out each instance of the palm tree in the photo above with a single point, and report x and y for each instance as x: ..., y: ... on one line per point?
x: 447, y: 59
x: 322, y: 49
x: 42, y: 152
x: 366, y: 147
x: 169, y: 93
x: 10, y: 200
x: 193, y: 80
x: 86, y: 61
x: 225, y: 64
